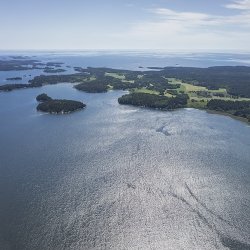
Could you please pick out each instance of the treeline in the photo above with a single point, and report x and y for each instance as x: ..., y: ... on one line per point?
x: 154, y: 101
x: 95, y: 86
x: 54, y: 79
x: 41, y: 80
x: 222, y: 105
x: 237, y: 108
x: 10, y: 87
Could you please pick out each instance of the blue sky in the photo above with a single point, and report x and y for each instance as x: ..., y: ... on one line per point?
x: 125, y: 24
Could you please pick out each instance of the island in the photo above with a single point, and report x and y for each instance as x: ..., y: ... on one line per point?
x: 53, y: 70
x: 54, y: 64
x: 14, y: 78
x: 20, y: 64
x: 223, y: 89
x: 57, y: 106
x: 43, y: 98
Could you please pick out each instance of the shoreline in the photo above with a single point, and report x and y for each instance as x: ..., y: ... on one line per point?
x: 242, y: 119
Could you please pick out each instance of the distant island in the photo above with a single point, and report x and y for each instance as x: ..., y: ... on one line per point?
x: 14, y: 78
x: 57, y: 106
x: 54, y: 64
x: 224, y: 89
x: 20, y: 63
x: 53, y: 70
x: 43, y: 98
x: 25, y: 63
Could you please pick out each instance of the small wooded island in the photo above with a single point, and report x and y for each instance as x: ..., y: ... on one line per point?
x: 14, y: 78
x: 57, y: 106
x: 53, y: 70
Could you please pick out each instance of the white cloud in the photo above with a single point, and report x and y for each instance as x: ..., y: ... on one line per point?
x: 239, y: 5
x: 196, y: 19
x: 190, y: 30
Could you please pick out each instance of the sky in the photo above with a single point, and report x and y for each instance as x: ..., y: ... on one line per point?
x: 125, y: 25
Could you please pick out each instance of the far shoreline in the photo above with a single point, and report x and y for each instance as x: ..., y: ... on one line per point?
x: 242, y: 119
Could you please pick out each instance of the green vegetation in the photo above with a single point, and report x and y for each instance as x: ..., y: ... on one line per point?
x: 116, y: 75
x: 43, y: 98
x: 154, y: 101
x: 163, y: 86
x: 56, y: 106
x: 14, y: 78
x: 235, y: 79
x: 237, y: 108
x: 53, y: 70
x: 19, y: 64
x: 95, y: 86
x: 145, y: 90
x: 10, y: 87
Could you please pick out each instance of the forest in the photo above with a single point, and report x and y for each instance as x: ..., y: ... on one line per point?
x: 57, y: 106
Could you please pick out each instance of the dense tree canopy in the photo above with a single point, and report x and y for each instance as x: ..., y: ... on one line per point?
x: 154, y: 101
x: 57, y: 106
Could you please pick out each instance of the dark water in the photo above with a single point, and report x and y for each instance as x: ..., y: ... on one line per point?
x: 119, y: 177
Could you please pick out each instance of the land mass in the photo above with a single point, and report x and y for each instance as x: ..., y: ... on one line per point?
x: 201, y: 87
x: 154, y: 101
x: 20, y: 64
x: 53, y: 70
x: 57, y: 106
x: 43, y: 98
x: 14, y: 78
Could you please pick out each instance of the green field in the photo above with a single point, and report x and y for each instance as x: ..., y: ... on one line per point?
x: 195, y: 92
x: 198, y: 95
x: 144, y: 90
x: 116, y: 75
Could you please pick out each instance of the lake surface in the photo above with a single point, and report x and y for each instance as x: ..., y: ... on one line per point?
x: 120, y: 177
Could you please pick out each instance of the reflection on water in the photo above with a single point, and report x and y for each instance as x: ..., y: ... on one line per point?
x: 120, y: 177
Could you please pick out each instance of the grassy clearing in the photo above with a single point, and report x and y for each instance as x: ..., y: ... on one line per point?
x: 193, y: 92
x: 168, y: 95
x: 92, y: 78
x: 119, y: 76
x: 147, y: 91
x: 140, y: 76
x: 110, y: 87
x: 116, y: 75
x: 220, y: 90
x: 187, y: 87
